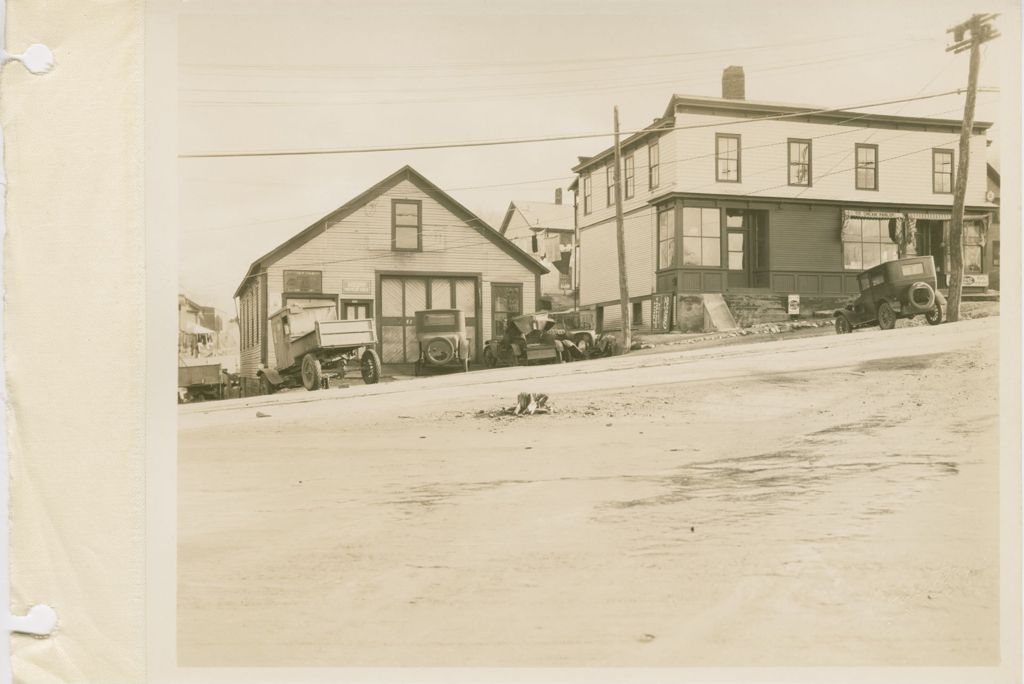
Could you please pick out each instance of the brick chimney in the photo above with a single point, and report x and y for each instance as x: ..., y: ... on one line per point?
x: 733, y: 83
x: 558, y: 195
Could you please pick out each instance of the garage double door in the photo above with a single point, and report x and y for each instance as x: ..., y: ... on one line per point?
x: 402, y: 296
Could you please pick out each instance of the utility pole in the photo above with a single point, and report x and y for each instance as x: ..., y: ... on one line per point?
x: 980, y: 31
x: 620, y: 238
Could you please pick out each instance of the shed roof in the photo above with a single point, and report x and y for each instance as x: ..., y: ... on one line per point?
x: 406, y: 173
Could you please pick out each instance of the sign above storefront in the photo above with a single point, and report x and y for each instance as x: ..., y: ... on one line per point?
x: 355, y: 287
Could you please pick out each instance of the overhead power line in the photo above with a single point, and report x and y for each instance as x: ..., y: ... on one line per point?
x: 553, y: 138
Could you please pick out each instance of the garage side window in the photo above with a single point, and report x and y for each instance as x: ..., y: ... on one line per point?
x: 406, y: 225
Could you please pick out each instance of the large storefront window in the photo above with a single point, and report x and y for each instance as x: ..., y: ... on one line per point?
x: 702, y: 237
x: 666, y: 237
x: 866, y: 243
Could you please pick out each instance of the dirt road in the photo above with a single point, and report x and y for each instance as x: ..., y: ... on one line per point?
x: 801, y: 502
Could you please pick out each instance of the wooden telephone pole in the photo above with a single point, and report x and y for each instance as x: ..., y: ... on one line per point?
x: 620, y: 238
x: 980, y: 31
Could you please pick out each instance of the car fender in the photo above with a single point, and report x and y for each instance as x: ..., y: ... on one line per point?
x: 939, y: 298
x: 272, y: 375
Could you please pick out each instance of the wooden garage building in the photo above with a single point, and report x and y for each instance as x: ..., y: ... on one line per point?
x: 402, y: 246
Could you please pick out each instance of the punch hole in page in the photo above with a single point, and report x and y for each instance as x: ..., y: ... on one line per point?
x: 41, y: 619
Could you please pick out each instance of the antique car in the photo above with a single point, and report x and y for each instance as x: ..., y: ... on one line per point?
x: 441, y: 335
x: 576, y: 327
x: 311, y: 346
x: 526, y: 340
x: 902, y: 288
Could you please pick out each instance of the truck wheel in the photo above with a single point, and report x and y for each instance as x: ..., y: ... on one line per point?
x: 934, y: 317
x: 312, y: 373
x: 370, y: 367
x: 843, y: 325
x: 886, y: 316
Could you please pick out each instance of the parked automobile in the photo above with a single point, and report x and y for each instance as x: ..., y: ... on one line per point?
x: 902, y: 288
x: 441, y: 335
x: 526, y: 340
x: 311, y: 346
x: 578, y: 329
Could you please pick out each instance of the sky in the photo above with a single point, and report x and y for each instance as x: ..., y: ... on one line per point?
x: 260, y: 75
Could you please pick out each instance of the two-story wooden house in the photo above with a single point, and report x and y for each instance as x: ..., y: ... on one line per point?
x: 402, y: 246
x: 547, y: 231
x: 725, y: 195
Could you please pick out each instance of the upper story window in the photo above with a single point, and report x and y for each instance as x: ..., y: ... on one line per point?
x: 867, y: 167
x: 628, y: 171
x: 654, y: 162
x: 588, y: 199
x: 304, y: 281
x: 702, y: 237
x: 942, y: 171
x: 406, y: 225
x: 799, y: 162
x: 609, y: 189
x: 727, y: 158
x: 666, y: 237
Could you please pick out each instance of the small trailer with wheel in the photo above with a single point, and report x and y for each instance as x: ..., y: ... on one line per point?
x: 311, y: 346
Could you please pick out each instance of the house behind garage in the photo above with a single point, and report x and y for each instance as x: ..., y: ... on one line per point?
x: 402, y: 246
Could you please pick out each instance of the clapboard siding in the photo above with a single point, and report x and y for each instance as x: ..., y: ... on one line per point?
x: 603, y: 210
x: 803, y: 238
x: 359, y: 246
x: 599, y: 278
x: 904, y: 156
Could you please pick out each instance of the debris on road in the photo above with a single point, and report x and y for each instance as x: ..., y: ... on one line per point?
x: 527, y: 404
x: 261, y: 414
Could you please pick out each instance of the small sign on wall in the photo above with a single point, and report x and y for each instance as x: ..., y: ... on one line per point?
x: 794, y: 305
x: 355, y: 286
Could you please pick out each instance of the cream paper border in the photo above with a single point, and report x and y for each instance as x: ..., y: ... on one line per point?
x: 85, y: 514
x: 74, y: 334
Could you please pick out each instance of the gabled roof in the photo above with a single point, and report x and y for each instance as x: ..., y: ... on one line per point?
x: 540, y: 215
x: 993, y: 173
x: 406, y: 173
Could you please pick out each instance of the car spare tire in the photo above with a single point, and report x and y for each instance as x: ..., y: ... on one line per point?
x: 921, y: 296
x: 439, y: 350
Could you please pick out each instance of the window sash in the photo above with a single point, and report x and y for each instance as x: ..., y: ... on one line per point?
x: 942, y: 171
x: 867, y: 168
x: 406, y: 223
x: 666, y: 238
x: 654, y: 162
x: 628, y: 167
x: 799, y: 162
x: 610, y: 187
x: 587, y: 195
x: 727, y: 158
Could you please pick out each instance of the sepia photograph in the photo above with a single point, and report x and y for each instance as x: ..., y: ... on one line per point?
x: 594, y: 335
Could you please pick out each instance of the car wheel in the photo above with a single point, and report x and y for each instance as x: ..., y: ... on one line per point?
x: 843, y: 325
x: 370, y: 367
x: 886, y: 316
x: 489, y: 359
x: 934, y: 317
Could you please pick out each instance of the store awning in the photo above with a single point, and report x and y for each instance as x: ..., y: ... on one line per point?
x: 196, y: 329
